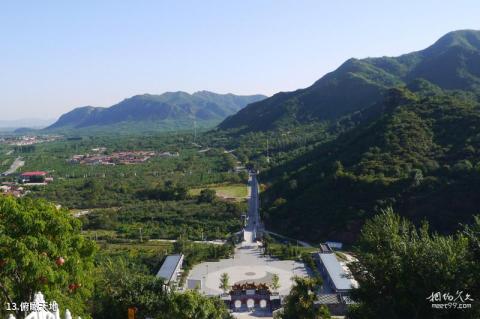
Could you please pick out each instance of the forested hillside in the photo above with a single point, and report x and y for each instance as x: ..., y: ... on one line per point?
x: 417, y: 152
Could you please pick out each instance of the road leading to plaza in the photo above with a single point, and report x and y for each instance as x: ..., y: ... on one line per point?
x: 249, y: 264
x: 253, y: 220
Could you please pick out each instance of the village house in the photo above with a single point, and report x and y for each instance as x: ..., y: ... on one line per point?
x: 36, y: 177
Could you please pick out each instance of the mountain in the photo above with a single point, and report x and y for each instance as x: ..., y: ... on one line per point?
x: 171, y: 109
x: 453, y: 62
x: 418, y: 152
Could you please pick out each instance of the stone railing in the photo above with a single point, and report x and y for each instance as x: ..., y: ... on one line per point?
x: 41, y: 313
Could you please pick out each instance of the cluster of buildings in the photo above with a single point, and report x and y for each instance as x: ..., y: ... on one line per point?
x: 12, y: 189
x: 128, y: 157
x: 19, y: 188
x: 27, y: 139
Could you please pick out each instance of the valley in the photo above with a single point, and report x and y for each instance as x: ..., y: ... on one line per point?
x: 354, y: 197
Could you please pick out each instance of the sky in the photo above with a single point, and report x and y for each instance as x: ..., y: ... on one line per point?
x: 58, y: 55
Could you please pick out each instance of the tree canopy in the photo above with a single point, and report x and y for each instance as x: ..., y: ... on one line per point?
x: 300, y: 302
x: 400, y: 266
x: 41, y: 249
x: 123, y: 285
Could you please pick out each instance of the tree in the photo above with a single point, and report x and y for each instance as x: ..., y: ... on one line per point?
x: 400, y: 266
x: 122, y: 285
x: 229, y: 161
x: 417, y: 177
x: 192, y: 304
x: 300, y: 302
x: 42, y: 249
x: 472, y: 232
x: 224, y: 282
x: 266, y: 241
x: 181, y: 245
x: 275, y: 282
x: 207, y: 195
x: 293, y: 184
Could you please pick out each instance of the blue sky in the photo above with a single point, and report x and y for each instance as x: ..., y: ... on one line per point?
x: 57, y: 55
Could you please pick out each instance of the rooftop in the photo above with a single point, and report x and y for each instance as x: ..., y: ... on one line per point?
x: 325, y: 248
x: 169, y: 266
x: 336, y: 271
x: 36, y: 173
x: 327, y: 299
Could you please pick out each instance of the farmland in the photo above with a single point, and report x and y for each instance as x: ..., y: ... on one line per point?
x: 157, y: 194
x: 236, y: 192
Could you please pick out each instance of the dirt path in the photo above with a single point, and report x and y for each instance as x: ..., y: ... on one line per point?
x: 17, y: 163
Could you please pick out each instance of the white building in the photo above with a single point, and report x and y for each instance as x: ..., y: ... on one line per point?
x: 170, y: 269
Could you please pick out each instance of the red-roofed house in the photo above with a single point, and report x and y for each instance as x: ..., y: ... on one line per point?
x: 33, y: 177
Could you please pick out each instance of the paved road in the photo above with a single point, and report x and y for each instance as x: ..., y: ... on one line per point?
x: 250, y: 231
x: 248, y: 263
x: 254, y: 223
x: 17, y: 163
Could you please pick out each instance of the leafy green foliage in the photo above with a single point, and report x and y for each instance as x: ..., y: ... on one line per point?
x: 415, y: 152
x: 207, y: 196
x: 168, y: 192
x: 169, y: 219
x: 123, y: 285
x: 300, y: 302
x: 192, y: 304
x: 275, y: 282
x: 224, y: 282
x: 41, y: 249
x: 100, y: 186
x: 400, y: 266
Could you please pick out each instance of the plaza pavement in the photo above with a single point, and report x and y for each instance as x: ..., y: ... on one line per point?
x: 247, y: 265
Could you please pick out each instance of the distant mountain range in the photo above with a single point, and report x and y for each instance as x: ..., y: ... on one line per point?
x: 169, y: 110
x: 453, y: 62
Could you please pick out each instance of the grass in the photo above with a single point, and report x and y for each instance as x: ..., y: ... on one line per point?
x: 288, y: 252
x: 341, y: 256
x: 156, y: 246
x: 300, y: 249
x: 235, y: 191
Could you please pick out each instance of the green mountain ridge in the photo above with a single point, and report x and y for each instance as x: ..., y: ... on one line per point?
x: 418, y: 152
x: 204, y: 107
x: 450, y: 63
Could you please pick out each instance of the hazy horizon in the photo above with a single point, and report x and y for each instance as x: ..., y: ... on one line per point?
x: 57, y: 56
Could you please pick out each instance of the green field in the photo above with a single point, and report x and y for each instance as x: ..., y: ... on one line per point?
x: 227, y: 191
x: 151, y: 246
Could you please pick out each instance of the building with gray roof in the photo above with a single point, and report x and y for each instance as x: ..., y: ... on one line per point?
x: 170, y: 269
x: 334, y: 273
